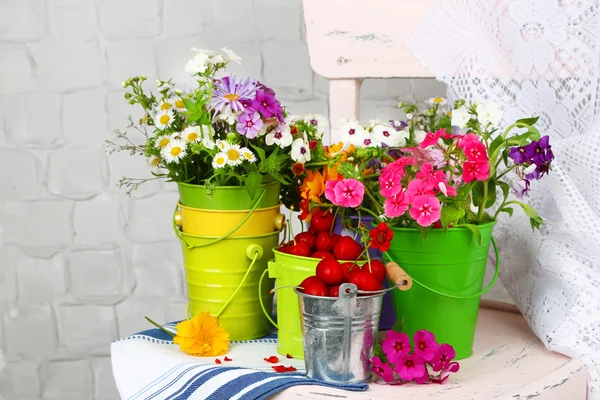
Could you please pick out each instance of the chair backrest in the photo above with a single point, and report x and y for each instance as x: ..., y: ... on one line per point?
x: 349, y: 40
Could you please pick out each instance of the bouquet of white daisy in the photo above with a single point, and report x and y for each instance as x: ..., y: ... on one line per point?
x: 226, y: 132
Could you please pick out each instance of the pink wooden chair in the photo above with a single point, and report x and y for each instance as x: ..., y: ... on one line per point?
x: 349, y: 40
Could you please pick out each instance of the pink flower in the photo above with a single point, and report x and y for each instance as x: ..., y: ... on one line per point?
x: 411, y: 367
x: 329, y: 190
x: 469, y: 137
x: 445, y: 372
x: 438, y: 158
x: 442, y: 357
x: 446, y: 189
x: 425, y: 345
x: 399, y: 164
x: 432, y: 138
x: 425, y: 210
x: 389, y: 182
x: 396, y: 205
x: 419, y: 187
x: 395, y: 345
x: 428, y: 174
x: 383, y: 370
x: 475, y: 151
x: 349, y: 193
x: 475, y: 170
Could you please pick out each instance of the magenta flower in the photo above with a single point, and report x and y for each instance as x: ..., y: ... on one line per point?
x: 329, y: 192
x: 475, y: 171
x: 432, y: 138
x: 428, y: 174
x: 419, y: 187
x: 425, y: 210
x: 446, y: 189
x: 396, y: 205
x: 249, y: 124
x: 349, y: 193
x: 389, y: 182
x: 475, y: 151
x: 411, y: 367
x: 395, y: 345
x: 445, y: 373
x: 399, y: 164
x: 382, y: 369
x: 442, y: 357
x: 469, y: 137
x: 266, y: 104
x: 425, y: 345
x: 229, y: 94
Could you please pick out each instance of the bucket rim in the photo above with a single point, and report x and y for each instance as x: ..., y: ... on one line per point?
x: 226, y: 187
x: 460, y: 229
x: 228, y: 211
x: 361, y: 262
x: 328, y: 298
x: 264, y: 235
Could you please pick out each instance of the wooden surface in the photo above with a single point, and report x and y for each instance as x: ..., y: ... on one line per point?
x: 509, y: 362
x: 352, y: 39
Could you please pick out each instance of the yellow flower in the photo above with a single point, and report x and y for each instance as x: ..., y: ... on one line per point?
x: 202, y: 336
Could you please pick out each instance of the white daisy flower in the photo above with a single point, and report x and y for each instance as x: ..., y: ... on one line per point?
x: 386, y: 134
x: 222, y: 145
x: 154, y: 162
x: 281, y: 136
x: 174, y: 151
x: 163, y: 141
x: 300, y: 151
x: 248, y: 154
x: 220, y: 160
x: 460, y: 117
x: 317, y: 121
x: 354, y: 133
x: 163, y: 119
x: 440, y: 101
x: 234, y: 155
x: 178, y: 104
x: 191, y: 134
x: 231, y: 56
x: 208, y: 143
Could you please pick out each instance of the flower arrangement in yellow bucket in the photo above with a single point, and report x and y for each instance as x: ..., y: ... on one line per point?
x: 200, y: 336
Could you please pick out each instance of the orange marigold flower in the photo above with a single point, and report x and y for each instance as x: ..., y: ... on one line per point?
x: 202, y: 336
x: 298, y: 169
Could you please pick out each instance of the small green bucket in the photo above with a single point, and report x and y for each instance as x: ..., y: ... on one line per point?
x: 227, y: 197
x: 448, y: 270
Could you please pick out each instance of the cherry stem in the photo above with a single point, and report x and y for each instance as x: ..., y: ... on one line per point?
x: 334, y: 217
x: 290, y: 225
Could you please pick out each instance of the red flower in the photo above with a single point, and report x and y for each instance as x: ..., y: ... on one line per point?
x: 312, y: 145
x: 218, y: 361
x: 281, y: 368
x: 294, y: 130
x: 298, y: 168
x: 381, y: 237
x: 272, y: 359
x: 227, y: 359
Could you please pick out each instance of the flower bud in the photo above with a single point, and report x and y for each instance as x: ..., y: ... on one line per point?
x: 231, y: 136
x: 400, y: 104
x: 135, y: 79
x: 158, y: 82
x: 124, y: 84
x: 143, y: 77
x: 127, y: 96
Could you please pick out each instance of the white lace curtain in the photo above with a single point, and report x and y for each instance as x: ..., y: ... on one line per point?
x: 538, y: 57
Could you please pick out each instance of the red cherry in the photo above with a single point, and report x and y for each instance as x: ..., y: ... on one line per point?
x: 325, y: 241
x: 301, y: 249
x: 377, y: 269
x: 306, y: 237
x: 284, y: 248
x: 314, y: 287
x: 363, y: 280
x: 322, y: 254
x: 334, y: 291
x: 330, y: 271
x: 347, y: 248
x: 321, y: 221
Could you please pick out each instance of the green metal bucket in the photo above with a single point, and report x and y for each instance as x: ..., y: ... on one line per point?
x: 448, y: 270
x: 290, y: 270
x: 223, y: 276
x: 227, y: 197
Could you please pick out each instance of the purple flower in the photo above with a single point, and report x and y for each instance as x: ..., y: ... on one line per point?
x: 399, y: 125
x: 230, y: 94
x: 517, y: 154
x: 540, y: 152
x: 425, y: 344
x: 266, y: 104
x: 249, y: 124
x: 395, y: 345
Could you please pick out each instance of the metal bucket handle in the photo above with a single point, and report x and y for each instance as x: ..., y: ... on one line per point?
x: 260, y: 299
x: 189, y: 247
x: 459, y: 297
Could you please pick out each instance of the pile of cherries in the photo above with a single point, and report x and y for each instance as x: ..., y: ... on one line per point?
x: 319, y: 242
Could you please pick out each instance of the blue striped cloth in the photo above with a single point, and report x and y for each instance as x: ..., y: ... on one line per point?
x: 149, y: 365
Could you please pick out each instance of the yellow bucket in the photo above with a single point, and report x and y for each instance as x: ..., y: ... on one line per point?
x: 197, y: 221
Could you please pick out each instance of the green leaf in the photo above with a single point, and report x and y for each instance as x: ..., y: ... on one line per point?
x: 478, y: 193
x: 474, y: 229
x: 253, y: 182
x: 508, y: 210
x: 261, y: 153
x: 496, y: 143
x: 398, y: 325
x: 450, y: 214
x: 534, y: 218
x: 505, y: 188
x: 528, y: 121
x: 348, y: 171
x: 491, y: 197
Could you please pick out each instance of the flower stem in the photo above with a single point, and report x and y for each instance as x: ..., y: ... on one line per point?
x: 505, y: 172
x: 375, y: 202
x: 160, y: 327
x: 483, y: 200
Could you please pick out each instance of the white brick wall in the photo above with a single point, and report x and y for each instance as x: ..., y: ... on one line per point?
x: 80, y: 263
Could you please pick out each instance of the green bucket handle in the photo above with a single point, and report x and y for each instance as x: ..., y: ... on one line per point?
x: 260, y: 299
x: 253, y: 252
x: 453, y: 296
x: 189, y: 247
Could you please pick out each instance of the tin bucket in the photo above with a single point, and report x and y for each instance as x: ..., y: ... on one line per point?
x: 339, y: 334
